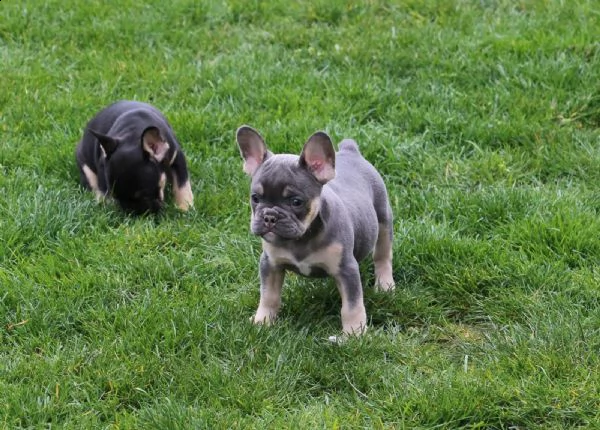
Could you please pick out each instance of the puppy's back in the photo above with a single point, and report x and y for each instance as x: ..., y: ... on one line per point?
x: 354, y: 175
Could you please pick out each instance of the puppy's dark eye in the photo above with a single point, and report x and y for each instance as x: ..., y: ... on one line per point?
x: 254, y: 197
x: 296, y: 202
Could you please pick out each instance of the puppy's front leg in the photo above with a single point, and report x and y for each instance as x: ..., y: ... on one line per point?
x: 184, y: 198
x: 271, y: 281
x: 354, y: 315
x: 90, y: 180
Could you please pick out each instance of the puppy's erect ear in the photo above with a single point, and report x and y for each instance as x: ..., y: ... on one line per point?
x: 154, y: 144
x: 318, y: 156
x: 109, y: 144
x: 252, y: 147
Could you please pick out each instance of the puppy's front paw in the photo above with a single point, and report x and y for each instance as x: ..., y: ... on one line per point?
x: 100, y: 196
x: 354, y: 320
x: 264, y: 316
x: 185, y: 205
x: 347, y: 334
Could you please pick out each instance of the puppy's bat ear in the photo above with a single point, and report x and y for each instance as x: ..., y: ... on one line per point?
x: 109, y: 144
x: 318, y: 156
x: 252, y: 148
x: 154, y: 144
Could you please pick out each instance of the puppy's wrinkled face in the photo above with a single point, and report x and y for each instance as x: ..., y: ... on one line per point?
x: 285, y: 199
x: 286, y: 189
x: 134, y: 170
x: 137, y: 182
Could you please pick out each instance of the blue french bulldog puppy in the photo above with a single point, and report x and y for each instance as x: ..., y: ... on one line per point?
x: 129, y: 151
x: 318, y: 214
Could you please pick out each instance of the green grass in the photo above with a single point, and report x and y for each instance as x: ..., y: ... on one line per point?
x: 484, y: 118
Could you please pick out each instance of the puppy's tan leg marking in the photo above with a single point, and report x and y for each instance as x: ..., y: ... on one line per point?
x: 382, y: 258
x: 184, y: 198
x: 354, y: 315
x: 172, y: 160
x: 92, y: 179
x: 270, y: 297
x: 161, y: 186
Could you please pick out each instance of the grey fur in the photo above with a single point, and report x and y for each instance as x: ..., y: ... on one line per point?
x: 350, y: 217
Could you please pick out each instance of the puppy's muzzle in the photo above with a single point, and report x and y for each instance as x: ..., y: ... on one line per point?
x: 270, y: 218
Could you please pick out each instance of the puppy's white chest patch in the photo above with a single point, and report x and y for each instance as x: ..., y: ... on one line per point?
x: 327, y: 258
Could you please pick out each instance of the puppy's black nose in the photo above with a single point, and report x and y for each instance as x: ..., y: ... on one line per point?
x: 270, y: 218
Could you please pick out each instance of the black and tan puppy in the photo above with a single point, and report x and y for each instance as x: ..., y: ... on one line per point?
x: 318, y: 214
x: 129, y: 151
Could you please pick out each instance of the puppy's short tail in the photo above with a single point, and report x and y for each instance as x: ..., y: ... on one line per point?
x: 349, y: 145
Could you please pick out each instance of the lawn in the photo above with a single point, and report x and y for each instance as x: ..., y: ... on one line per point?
x: 482, y: 116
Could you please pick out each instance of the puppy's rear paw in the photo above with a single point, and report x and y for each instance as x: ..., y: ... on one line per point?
x: 184, y: 198
x: 185, y: 206
x: 385, y: 287
x: 385, y: 283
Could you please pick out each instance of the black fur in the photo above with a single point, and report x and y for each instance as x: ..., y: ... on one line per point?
x: 112, y: 149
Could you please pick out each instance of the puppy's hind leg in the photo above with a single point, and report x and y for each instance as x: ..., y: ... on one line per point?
x: 382, y: 255
x: 184, y: 198
x: 354, y: 315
